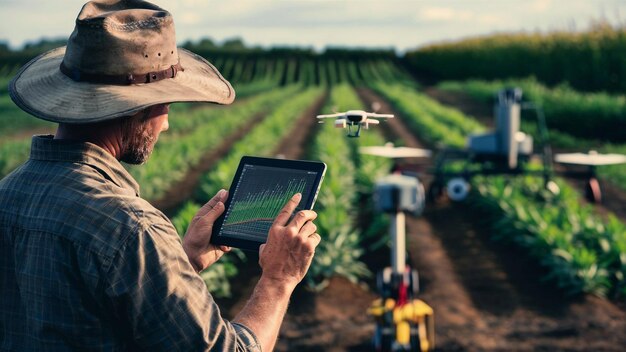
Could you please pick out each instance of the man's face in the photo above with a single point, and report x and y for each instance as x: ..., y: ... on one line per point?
x: 141, y: 131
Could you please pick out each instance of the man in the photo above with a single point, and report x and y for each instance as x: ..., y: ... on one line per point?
x: 85, y: 263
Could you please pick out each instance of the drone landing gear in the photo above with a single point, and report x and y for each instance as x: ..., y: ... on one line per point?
x: 354, y: 133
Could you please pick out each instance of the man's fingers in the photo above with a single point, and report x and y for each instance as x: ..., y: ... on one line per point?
x: 213, y: 214
x: 313, y: 241
x: 308, y: 229
x: 285, y: 213
x: 261, y: 248
x: 302, y: 217
x: 315, y: 238
x: 221, y: 196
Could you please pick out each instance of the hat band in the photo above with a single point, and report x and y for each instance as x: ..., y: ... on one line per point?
x: 122, y: 80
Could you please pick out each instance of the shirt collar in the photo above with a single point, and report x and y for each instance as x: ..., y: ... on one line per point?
x: 45, y: 147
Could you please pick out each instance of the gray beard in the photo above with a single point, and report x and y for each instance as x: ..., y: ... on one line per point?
x: 137, y: 142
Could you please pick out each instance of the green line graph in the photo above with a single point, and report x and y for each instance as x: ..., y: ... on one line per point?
x: 263, y: 205
x: 258, y: 198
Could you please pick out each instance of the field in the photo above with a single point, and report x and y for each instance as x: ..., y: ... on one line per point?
x: 513, y: 267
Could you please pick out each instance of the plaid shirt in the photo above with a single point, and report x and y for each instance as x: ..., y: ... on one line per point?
x: 86, y: 264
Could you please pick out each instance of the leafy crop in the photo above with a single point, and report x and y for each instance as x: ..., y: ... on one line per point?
x: 589, y: 61
x: 583, y: 115
x: 338, y: 204
x: 582, y: 252
x: 261, y: 141
x: 593, y: 115
x: 192, y: 135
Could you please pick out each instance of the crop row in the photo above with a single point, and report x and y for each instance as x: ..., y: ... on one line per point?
x: 589, y: 61
x: 433, y: 122
x: 245, y: 70
x: 339, y: 203
x: 15, y: 145
x: 249, y: 76
x: 595, y: 115
x: 261, y: 141
x: 581, y: 251
x: 583, y: 115
x: 199, y: 131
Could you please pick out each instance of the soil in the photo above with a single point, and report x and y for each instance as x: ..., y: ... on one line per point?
x: 469, y: 106
x: 486, y: 297
x: 183, y: 190
x: 289, y: 148
x: 295, y: 144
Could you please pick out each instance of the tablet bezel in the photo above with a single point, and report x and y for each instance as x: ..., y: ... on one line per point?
x: 302, y: 165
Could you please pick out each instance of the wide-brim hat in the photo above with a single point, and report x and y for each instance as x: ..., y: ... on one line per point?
x: 120, y: 59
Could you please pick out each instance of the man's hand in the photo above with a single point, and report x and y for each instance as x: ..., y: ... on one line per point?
x: 288, y: 253
x: 200, y: 251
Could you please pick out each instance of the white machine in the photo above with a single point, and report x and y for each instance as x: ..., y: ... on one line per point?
x: 506, y: 141
x: 505, y: 150
x: 591, y: 161
x: 403, y: 322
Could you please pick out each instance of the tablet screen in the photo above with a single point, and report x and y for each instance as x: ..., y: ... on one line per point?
x: 259, y: 195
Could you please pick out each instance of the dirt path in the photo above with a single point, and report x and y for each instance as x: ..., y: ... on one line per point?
x: 183, y: 190
x: 296, y: 143
x: 469, y: 106
x: 332, y: 320
x: 487, y: 297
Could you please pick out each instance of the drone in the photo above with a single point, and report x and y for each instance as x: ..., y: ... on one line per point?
x: 354, y: 120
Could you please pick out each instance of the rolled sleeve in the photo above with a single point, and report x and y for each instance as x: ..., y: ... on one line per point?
x: 248, y: 338
x: 163, y: 303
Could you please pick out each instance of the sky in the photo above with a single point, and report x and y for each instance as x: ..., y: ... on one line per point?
x: 399, y: 24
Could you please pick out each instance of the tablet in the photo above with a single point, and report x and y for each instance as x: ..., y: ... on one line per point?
x: 260, y: 189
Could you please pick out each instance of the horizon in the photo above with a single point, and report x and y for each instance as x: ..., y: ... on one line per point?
x: 351, y: 24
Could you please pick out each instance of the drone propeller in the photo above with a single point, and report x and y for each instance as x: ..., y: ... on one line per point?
x: 382, y: 116
x: 330, y: 116
x: 389, y: 151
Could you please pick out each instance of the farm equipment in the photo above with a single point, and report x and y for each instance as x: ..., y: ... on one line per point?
x: 590, y: 161
x: 403, y: 322
x: 507, y: 150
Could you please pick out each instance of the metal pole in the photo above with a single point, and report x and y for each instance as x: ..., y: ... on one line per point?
x: 398, y: 243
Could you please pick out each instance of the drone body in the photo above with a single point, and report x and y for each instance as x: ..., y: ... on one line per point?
x: 353, y: 120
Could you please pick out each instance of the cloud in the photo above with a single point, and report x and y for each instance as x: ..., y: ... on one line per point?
x: 399, y: 23
x: 437, y: 14
x: 189, y: 18
x: 539, y: 5
x: 447, y: 15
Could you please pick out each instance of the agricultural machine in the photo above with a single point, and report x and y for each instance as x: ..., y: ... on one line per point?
x: 403, y: 322
x: 507, y: 151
